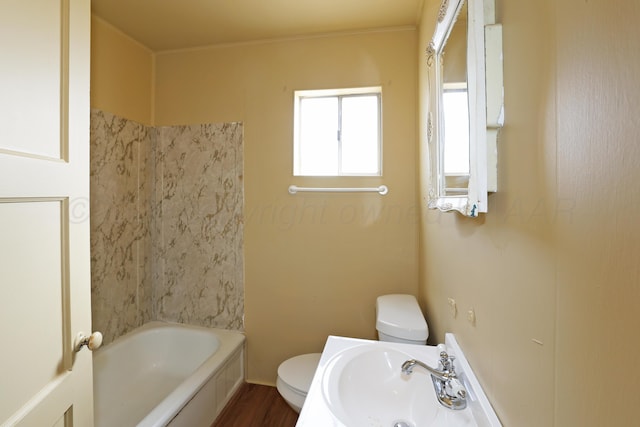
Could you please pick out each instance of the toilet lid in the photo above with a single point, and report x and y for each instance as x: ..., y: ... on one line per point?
x: 298, y: 371
x: 399, y: 316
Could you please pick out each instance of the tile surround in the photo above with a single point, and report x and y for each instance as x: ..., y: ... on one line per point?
x: 166, y: 224
x: 199, y: 227
x: 120, y: 215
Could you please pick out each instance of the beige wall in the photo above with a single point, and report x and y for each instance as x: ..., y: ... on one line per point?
x: 552, y: 270
x: 455, y: 55
x: 121, y: 74
x: 314, y: 264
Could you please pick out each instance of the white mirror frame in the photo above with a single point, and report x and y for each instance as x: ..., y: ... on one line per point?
x: 486, y: 105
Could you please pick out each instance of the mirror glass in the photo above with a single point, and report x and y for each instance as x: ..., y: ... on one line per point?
x: 461, y: 128
x: 455, y: 108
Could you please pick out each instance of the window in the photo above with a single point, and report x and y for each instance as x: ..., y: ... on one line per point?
x: 337, y: 132
x: 456, y: 129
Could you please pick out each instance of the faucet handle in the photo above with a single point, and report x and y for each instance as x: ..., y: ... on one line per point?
x: 446, y: 364
x: 452, y: 368
x: 451, y: 359
x: 442, y: 349
x: 444, y: 356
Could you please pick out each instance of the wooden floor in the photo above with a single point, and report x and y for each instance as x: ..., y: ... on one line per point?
x: 256, y: 405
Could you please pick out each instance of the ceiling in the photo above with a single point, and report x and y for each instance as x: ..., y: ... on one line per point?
x: 179, y: 24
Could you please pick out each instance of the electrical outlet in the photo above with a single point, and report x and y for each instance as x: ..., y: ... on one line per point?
x: 453, y: 308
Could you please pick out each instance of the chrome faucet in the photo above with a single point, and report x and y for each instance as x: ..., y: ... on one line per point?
x: 449, y: 390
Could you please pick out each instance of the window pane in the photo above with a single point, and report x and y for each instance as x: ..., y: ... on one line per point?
x: 360, y: 139
x: 456, y: 130
x: 319, y: 136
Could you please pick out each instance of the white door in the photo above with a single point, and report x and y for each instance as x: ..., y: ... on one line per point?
x: 44, y: 220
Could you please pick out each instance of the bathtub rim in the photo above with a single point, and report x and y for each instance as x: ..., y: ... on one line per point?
x: 231, y: 342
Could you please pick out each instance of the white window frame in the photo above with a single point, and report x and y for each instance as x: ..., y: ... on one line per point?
x: 299, y: 95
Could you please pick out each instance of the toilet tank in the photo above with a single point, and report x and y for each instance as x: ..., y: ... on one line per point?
x: 399, y: 319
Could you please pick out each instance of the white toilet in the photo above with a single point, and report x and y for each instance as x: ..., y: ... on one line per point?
x: 398, y: 319
x: 294, y: 378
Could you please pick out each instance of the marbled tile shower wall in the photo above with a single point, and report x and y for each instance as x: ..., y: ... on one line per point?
x: 198, y: 262
x: 121, y: 185
x: 166, y: 224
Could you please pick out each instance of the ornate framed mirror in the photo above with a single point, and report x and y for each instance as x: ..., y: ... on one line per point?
x: 464, y: 61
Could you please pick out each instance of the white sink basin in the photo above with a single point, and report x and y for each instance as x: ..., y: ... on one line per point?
x: 359, y: 383
x: 364, y: 386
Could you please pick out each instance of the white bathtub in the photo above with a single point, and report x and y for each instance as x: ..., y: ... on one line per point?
x: 167, y: 374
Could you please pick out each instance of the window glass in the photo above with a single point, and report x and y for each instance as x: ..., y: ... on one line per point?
x: 337, y: 132
x: 456, y: 127
x: 359, y: 135
x: 318, y: 136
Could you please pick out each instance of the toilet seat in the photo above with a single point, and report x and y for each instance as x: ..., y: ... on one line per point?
x: 295, y: 376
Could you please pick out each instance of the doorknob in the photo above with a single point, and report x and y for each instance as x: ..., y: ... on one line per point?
x: 92, y: 341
